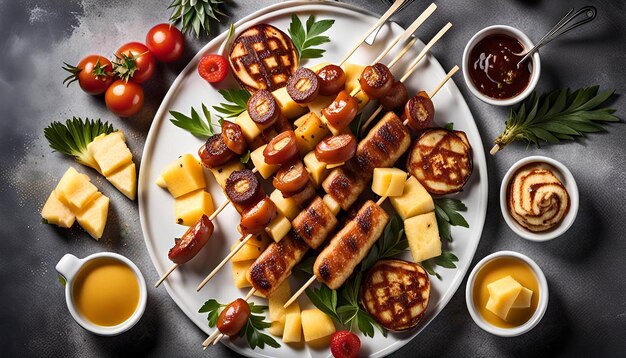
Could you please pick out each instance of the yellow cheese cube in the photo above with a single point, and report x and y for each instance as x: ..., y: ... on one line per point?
x: 310, y: 133
x: 266, y: 170
x: 222, y: 173
x: 320, y: 103
x: 362, y: 100
x: 502, y: 295
x: 278, y: 227
x: 189, y: 208
x: 250, y: 129
x: 317, y: 170
x: 388, y: 181
x: 56, y: 213
x: 316, y: 324
x: 110, y: 152
x: 74, y: 190
x: 422, y: 233
x: 93, y: 217
x: 125, y: 180
x: 239, y: 273
x: 353, y: 73
x: 160, y: 182
x: 286, y: 206
x: 332, y: 204
x: 261, y: 240
x: 293, y: 324
x: 298, y: 122
x: 246, y: 252
x: 184, y: 175
x: 288, y: 107
x: 523, y: 299
x: 415, y: 200
x: 276, y: 328
x: 277, y: 300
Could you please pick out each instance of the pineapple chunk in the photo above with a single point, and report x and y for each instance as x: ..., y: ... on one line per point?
x: 93, y: 218
x: 160, y: 182
x: 184, y: 175
x: 278, y: 227
x: 332, y: 204
x: 247, y: 252
x: 55, y: 212
x: 415, y: 200
x: 317, y: 170
x: 353, y: 73
x: 250, y: 129
x: 261, y: 240
x: 110, y: 152
x: 266, y: 170
x: 292, y: 332
x: 310, y: 133
x: 276, y: 328
x: 288, y: 106
x: 523, y: 299
x: 319, y: 104
x: 285, y: 206
x: 189, y: 208
x: 239, y: 273
x: 298, y: 122
x: 388, y: 181
x: 423, y: 236
x: 361, y: 100
x: 125, y: 180
x: 277, y: 300
x: 316, y: 324
x: 222, y: 173
x: 74, y: 190
x: 502, y: 295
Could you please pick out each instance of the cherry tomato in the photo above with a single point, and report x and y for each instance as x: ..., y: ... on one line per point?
x: 336, y: 149
x: 233, y: 317
x: 192, y: 241
x: 165, y: 42
x: 342, y: 111
x: 281, y: 149
x: 233, y: 137
x: 213, y: 68
x: 93, y: 74
x: 255, y: 218
x: 124, y: 98
x: 144, y: 61
x: 291, y: 177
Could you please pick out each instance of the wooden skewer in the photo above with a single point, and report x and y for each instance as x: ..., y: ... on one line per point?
x: 443, y: 82
x: 224, y: 261
x: 160, y: 281
x: 378, y: 23
x: 207, y: 342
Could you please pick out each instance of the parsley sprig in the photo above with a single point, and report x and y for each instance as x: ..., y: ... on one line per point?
x: 447, y: 213
x: 305, y: 38
x: 252, y: 331
x: 194, y: 123
x: 236, y: 101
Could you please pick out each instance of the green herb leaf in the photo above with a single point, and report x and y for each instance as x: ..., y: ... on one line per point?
x: 213, y: 308
x: 72, y: 138
x: 392, y: 243
x: 304, y: 39
x: 194, y: 123
x: 195, y: 15
x: 446, y: 260
x: 62, y: 280
x: 306, y: 266
x: 447, y: 213
x: 324, y: 299
x: 355, y: 126
x: 236, y: 101
x: 245, y: 158
x: 557, y: 116
x: 449, y: 126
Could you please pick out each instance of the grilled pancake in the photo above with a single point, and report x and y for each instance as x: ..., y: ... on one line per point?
x: 396, y: 293
x: 441, y: 161
x: 263, y: 57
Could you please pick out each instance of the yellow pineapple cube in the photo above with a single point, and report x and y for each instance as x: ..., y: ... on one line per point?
x: 353, y: 73
x: 277, y: 300
x: 110, y: 152
x: 189, y: 208
x: 266, y: 170
x: 523, y: 299
x: 250, y: 129
x: 276, y: 328
x: 332, y: 204
x: 316, y: 324
x: 75, y: 190
x: 278, y: 227
x: 288, y: 107
x: 247, y: 251
x: 317, y: 170
x: 160, y: 182
x: 286, y: 206
x: 388, y: 181
x: 423, y: 236
x: 184, y: 175
x: 125, y: 180
x: 93, y: 218
x: 56, y: 213
x: 222, y: 173
x: 320, y: 103
x: 292, y: 332
x: 310, y: 133
x: 415, y: 200
x: 239, y: 273
x: 502, y: 295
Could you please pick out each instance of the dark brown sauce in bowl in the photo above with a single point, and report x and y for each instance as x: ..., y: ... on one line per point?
x: 493, y: 67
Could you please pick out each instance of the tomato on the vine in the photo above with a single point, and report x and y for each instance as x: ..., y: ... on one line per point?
x: 134, y: 60
x: 93, y: 74
x: 124, y: 98
x: 165, y: 42
x: 213, y: 68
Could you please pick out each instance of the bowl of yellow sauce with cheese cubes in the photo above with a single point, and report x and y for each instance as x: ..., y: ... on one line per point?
x: 507, y: 294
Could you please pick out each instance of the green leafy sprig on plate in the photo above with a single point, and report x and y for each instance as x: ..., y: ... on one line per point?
x: 236, y: 101
x: 304, y: 39
x: 447, y: 213
x: 194, y: 124
x: 252, y: 331
x: 557, y: 116
x: 195, y: 15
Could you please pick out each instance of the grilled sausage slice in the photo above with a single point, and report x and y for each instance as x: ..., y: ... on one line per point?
x: 336, y: 262
x: 382, y: 147
x: 314, y: 223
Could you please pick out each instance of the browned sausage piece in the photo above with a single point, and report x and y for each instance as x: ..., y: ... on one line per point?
x: 314, y: 223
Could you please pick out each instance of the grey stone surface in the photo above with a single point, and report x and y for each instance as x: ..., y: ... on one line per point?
x: 585, y: 267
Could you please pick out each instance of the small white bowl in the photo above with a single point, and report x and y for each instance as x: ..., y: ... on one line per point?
x: 521, y: 37
x: 565, y: 176
x: 542, y: 305
x: 70, y: 266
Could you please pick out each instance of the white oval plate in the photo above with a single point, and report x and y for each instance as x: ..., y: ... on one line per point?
x: 165, y: 143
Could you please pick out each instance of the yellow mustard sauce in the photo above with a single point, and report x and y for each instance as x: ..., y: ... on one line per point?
x: 106, y: 292
x: 495, y: 270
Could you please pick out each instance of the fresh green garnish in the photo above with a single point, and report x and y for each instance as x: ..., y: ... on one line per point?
x: 245, y: 158
x: 237, y: 99
x: 194, y: 123
x: 393, y: 242
x: 62, y: 280
x: 355, y: 126
x: 304, y: 39
x: 449, y: 126
x: 556, y: 116
x: 195, y: 15
x: 252, y: 331
x: 447, y: 213
x: 72, y: 138
x: 447, y: 260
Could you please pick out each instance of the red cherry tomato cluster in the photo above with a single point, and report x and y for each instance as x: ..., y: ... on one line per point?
x: 134, y: 64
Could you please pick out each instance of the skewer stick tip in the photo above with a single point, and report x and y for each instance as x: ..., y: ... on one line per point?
x: 160, y: 281
x: 300, y: 291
